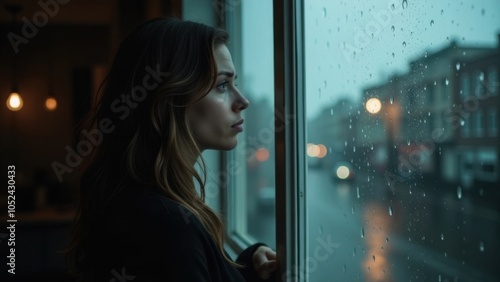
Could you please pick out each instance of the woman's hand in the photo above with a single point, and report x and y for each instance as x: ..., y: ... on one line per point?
x: 264, y: 262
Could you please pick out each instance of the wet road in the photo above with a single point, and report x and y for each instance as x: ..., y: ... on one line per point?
x: 362, y: 231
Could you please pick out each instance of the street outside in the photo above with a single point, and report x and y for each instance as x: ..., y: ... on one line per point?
x: 365, y: 231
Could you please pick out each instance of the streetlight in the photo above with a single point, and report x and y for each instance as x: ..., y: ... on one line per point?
x: 373, y: 105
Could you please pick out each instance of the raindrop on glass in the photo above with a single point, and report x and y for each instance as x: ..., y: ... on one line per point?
x: 409, y: 142
x: 439, y: 278
x: 404, y: 43
x: 353, y: 147
x: 362, y: 233
x: 331, y: 112
x: 324, y: 12
x: 459, y: 192
x: 393, y: 55
x: 352, y: 210
x: 387, y: 240
x: 354, y: 252
x: 447, y: 82
x: 325, y: 83
x: 391, y: 100
x: 462, y: 122
x: 483, y: 12
x: 390, y: 210
x: 442, y: 12
x: 405, y: 4
x: 481, y: 76
x: 481, y: 246
x: 457, y: 66
x: 357, y: 191
x: 442, y: 236
x: 344, y: 268
x: 432, y: 22
x: 320, y: 229
x: 393, y: 7
x: 373, y: 258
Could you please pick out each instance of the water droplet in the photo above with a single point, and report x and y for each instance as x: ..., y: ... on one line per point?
x: 324, y: 12
x: 362, y: 233
x: 462, y: 122
x: 393, y: 28
x: 481, y: 76
x: 325, y: 83
x: 447, y: 82
x: 352, y: 210
x: 442, y: 12
x: 405, y: 4
x: 391, y: 100
x: 361, y: 13
x: 393, y: 7
x: 387, y: 240
x: 481, y: 246
x: 320, y: 229
x: 353, y: 148
x: 393, y: 55
x: 344, y: 268
x: 331, y: 112
x: 439, y: 278
x: 457, y: 66
x: 432, y: 22
x: 483, y: 12
x: 409, y: 142
x: 390, y: 210
x: 442, y: 236
x: 459, y: 192
x: 354, y: 252
x: 404, y: 43
x: 373, y: 258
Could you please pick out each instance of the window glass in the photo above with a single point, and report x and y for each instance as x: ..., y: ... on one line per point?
x: 397, y: 190
x: 253, y: 192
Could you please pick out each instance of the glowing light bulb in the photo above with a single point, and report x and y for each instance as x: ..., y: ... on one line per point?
x: 14, y: 102
x: 51, y: 103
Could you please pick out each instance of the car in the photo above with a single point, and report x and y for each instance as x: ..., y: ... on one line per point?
x: 343, y: 171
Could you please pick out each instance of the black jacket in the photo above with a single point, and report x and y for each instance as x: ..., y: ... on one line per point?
x: 144, y: 236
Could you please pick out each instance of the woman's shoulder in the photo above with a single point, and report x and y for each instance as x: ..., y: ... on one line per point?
x: 142, y: 206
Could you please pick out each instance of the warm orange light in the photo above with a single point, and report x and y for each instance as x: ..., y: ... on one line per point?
x: 313, y: 150
x: 51, y: 103
x: 262, y: 154
x: 14, y: 102
x: 322, y: 151
x: 373, y: 105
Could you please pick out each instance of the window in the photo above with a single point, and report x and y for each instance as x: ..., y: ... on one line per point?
x: 479, y: 126
x: 251, y: 200
x: 492, y: 123
x: 493, y: 81
x: 464, y: 85
x: 394, y: 207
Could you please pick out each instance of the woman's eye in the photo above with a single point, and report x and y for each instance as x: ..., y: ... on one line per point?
x: 222, y: 86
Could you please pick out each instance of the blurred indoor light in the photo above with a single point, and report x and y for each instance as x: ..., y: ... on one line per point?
x: 262, y: 154
x: 373, y: 105
x: 14, y: 102
x: 51, y: 103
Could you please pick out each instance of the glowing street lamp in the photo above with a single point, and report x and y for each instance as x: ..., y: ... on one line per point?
x: 373, y: 105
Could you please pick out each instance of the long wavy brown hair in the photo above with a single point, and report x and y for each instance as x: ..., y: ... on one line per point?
x: 162, y: 66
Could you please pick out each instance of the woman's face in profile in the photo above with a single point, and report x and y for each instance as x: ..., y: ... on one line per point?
x: 216, y: 119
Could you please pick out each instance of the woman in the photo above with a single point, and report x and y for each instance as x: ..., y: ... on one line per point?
x: 170, y: 94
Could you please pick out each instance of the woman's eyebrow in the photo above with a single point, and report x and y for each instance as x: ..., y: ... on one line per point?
x: 226, y: 73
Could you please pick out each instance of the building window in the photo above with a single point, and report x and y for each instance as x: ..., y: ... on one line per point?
x: 493, y: 81
x: 492, y: 123
x: 479, y: 123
